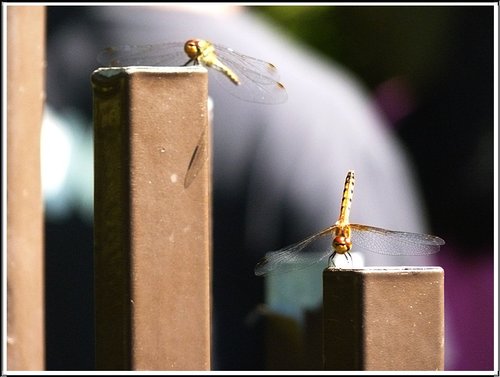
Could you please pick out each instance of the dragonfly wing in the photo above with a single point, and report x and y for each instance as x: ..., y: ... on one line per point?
x: 165, y: 54
x: 293, y: 257
x: 251, y: 91
x: 259, y: 80
x: 391, y: 242
x: 257, y: 70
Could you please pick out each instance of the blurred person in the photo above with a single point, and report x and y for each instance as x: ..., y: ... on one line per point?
x: 278, y: 170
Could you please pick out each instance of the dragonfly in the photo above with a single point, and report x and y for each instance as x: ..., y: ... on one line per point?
x: 343, y: 236
x: 246, y: 77
x: 243, y: 76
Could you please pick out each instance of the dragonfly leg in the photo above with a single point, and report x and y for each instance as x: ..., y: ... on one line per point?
x: 348, y: 256
x: 194, y: 61
x: 331, y: 263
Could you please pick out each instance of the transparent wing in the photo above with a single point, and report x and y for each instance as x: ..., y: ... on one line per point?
x: 254, y: 69
x: 251, y: 91
x: 391, y: 242
x: 295, y: 256
x: 164, y: 54
x: 259, y: 79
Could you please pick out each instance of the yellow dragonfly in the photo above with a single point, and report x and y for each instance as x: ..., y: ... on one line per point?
x: 248, y: 78
x: 343, y: 236
x: 245, y: 77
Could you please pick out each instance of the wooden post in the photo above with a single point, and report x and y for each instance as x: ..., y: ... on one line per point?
x: 152, y: 235
x: 383, y: 318
x: 25, y: 277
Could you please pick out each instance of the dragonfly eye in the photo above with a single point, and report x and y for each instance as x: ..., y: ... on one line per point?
x: 342, y: 244
x: 191, y: 49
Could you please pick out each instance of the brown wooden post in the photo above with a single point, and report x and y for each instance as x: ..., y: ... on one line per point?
x: 25, y: 258
x: 152, y: 235
x: 383, y: 318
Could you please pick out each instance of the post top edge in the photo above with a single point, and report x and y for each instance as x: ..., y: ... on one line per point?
x: 387, y: 269
x: 113, y: 71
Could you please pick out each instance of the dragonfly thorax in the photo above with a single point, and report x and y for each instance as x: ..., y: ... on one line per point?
x: 341, y: 242
x: 202, y: 52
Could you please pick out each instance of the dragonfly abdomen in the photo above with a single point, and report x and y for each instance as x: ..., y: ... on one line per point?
x: 225, y: 70
x: 345, y: 206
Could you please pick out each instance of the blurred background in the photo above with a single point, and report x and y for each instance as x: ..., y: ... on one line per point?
x: 428, y: 72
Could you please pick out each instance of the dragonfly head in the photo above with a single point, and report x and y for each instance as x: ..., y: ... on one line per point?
x: 194, y: 48
x: 342, y: 240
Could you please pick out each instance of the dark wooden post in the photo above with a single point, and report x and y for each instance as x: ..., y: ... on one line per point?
x: 152, y: 234
x: 383, y: 318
